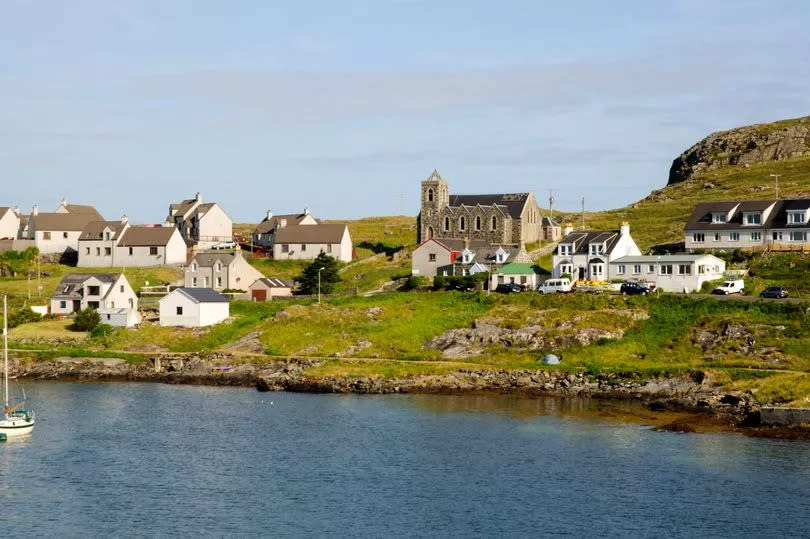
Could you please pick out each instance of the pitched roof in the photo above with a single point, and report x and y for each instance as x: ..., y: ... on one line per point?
x: 203, y: 295
x: 84, y: 209
x: 701, y: 218
x: 521, y: 268
x: 267, y: 225
x: 74, y: 222
x: 70, y: 287
x: 513, y: 202
x: 582, y: 239
x: 208, y: 259
x: 146, y: 236
x: 3, y: 210
x: 548, y: 221
x: 275, y: 283
x: 95, y: 230
x: 324, y: 233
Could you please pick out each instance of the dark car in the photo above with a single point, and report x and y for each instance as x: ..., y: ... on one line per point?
x: 634, y: 289
x: 508, y: 288
x: 775, y: 292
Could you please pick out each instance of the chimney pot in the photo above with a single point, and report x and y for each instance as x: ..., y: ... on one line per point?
x: 269, y: 215
x: 35, y: 210
x: 124, y: 219
x: 198, y: 197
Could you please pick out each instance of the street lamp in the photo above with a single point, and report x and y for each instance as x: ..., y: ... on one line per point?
x: 319, y: 284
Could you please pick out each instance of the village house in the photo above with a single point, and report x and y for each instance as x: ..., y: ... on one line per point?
x: 9, y: 223
x: 201, y: 224
x: 119, y: 244
x: 586, y: 255
x: 502, y: 219
x: 306, y: 242
x: 267, y: 288
x: 264, y: 233
x: 59, y: 232
x: 108, y: 293
x: 220, y: 271
x: 748, y: 224
x: 458, y: 257
x: 671, y: 273
x: 193, y: 308
x: 551, y: 229
x: 527, y: 274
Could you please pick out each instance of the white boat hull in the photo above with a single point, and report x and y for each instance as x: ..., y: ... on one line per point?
x: 16, y: 427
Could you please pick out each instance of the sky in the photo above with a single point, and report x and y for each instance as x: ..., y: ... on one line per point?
x: 344, y: 107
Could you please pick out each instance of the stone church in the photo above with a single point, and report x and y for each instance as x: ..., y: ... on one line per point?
x: 505, y: 219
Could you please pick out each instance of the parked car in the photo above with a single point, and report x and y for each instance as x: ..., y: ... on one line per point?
x: 508, y: 288
x: 730, y: 287
x: 632, y: 288
x: 555, y: 286
x: 224, y: 245
x: 775, y: 292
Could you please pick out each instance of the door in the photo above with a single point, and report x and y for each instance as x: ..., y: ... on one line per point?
x: 259, y: 295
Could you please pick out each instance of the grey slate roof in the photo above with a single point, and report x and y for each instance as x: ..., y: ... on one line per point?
x: 70, y: 287
x: 95, y: 230
x: 323, y: 233
x: 203, y: 295
x: 513, y: 203
x: 208, y: 259
x: 68, y: 222
x: 147, y: 236
x: 582, y: 239
x: 701, y: 215
x: 267, y: 225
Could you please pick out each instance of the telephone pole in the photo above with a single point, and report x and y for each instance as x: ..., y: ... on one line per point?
x: 550, y: 204
x: 583, y: 213
x: 777, y: 184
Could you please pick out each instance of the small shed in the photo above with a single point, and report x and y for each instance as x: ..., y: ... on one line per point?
x: 193, y: 307
x: 122, y: 318
x: 267, y: 288
x: 523, y: 273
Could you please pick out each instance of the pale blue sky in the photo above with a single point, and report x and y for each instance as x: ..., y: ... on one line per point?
x: 345, y: 106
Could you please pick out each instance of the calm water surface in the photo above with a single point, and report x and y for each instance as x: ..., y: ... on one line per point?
x: 158, y: 460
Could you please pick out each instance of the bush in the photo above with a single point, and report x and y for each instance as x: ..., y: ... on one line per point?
x: 567, y: 276
x: 439, y: 282
x: 414, y: 282
x: 102, y: 330
x: 86, y: 320
x: 23, y: 316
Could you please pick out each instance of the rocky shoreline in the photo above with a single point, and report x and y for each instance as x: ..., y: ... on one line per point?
x: 696, y: 394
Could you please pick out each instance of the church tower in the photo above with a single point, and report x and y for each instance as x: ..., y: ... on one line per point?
x: 435, y: 197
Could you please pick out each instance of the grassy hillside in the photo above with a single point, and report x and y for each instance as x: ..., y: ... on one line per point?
x: 660, y: 217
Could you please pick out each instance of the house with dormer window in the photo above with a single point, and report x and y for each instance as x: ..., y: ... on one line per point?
x: 586, y: 255
x: 108, y: 293
x: 220, y: 271
x: 747, y: 224
x: 459, y: 257
x: 203, y: 224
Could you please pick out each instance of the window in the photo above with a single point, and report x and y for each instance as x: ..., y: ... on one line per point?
x: 666, y: 269
x: 153, y: 251
x: 684, y: 269
x: 698, y: 238
x: 303, y: 247
x: 106, y: 235
x: 651, y: 268
x: 797, y: 235
x: 329, y: 248
x: 205, y: 282
x: 122, y: 289
x: 219, y: 266
x: 477, y: 222
x: 430, y: 195
x: 795, y: 217
x: 733, y: 236
x: 432, y: 257
x: 620, y: 269
x: 63, y: 304
x: 130, y: 251
x: 219, y: 282
x: 717, y: 236
x: 597, y: 270
x: 523, y: 279
x: 64, y: 235
x: 285, y: 248
x: 112, y: 305
x: 46, y: 235
x: 93, y: 290
x: 107, y: 251
x: 194, y: 282
x: 756, y: 236
x: 637, y: 269
x: 87, y: 251
x: 753, y: 219
x: 446, y: 224
x: 777, y: 236
x: 494, y: 223
x: 719, y: 217
x: 98, y: 251
x: 461, y: 224
x: 597, y: 248
x: 179, y: 311
x: 108, y: 317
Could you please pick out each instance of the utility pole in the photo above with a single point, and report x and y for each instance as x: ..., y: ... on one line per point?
x: 583, y: 213
x: 777, y: 184
x: 550, y: 204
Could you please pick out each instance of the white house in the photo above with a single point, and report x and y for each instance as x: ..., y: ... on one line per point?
x: 221, y: 271
x: 119, y: 244
x: 101, y: 291
x: 264, y: 234
x: 305, y: 242
x: 59, y: 232
x: 9, y: 223
x: 459, y: 257
x: 193, y: 307
x: 671, y: 273
x: 200, y: 224
x: 586, y: 255
x: 526, y: 274
x: 267, y: 288
x: 748, y: 223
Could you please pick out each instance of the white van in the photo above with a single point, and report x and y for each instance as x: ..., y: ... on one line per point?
x: 730, y: 287
x: 555, y: 286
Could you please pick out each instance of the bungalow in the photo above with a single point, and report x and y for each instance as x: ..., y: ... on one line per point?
x: 200, y: 224
x: 305, y: 242
x: 586, y: 255
x: 118, y: 244
x: 105, y: 292
x: 267, y: 288
x: 193, y: 307
x: 751, y: 223
x: 264, y: 234
x: 220, y: 271
x: 526, y: 274
x: 671, y: 273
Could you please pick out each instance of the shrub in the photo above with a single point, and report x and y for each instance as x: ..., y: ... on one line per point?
x: 23, y: 316
x: 86, y: 320
x: 101, y: 330
x: 567, y: 276
x: 439, y: 282
x: 414, y: 282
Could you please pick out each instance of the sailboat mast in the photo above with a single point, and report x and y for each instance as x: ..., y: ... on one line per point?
x: 5, y: 354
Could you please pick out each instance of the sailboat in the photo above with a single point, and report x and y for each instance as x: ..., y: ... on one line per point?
x: 15, y: 421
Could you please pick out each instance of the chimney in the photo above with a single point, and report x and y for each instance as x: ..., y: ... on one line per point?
x: 624, y: 229
x: 64, y: 202
x: 282, y: 223
x: 568, y: 229
x: 306, y: 211
x: 198, y: 197
x: 17, y: 211
x: 124, y: 219
x: 35, y: 210
x: 466, y: 243
x: 269, y: 215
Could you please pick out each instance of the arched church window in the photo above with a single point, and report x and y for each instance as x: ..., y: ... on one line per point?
x: 446, y: 224
x: 461, y: 224
x: 477, y: 222
x: 494, y: 223
x: 430, y: 195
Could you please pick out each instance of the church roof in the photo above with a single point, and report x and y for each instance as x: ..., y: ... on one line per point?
x: 513, y: 202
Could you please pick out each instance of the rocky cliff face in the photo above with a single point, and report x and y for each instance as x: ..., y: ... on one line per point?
x: 743, y: 146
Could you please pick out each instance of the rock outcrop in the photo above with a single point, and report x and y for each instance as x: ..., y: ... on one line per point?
x: 743, y: 146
